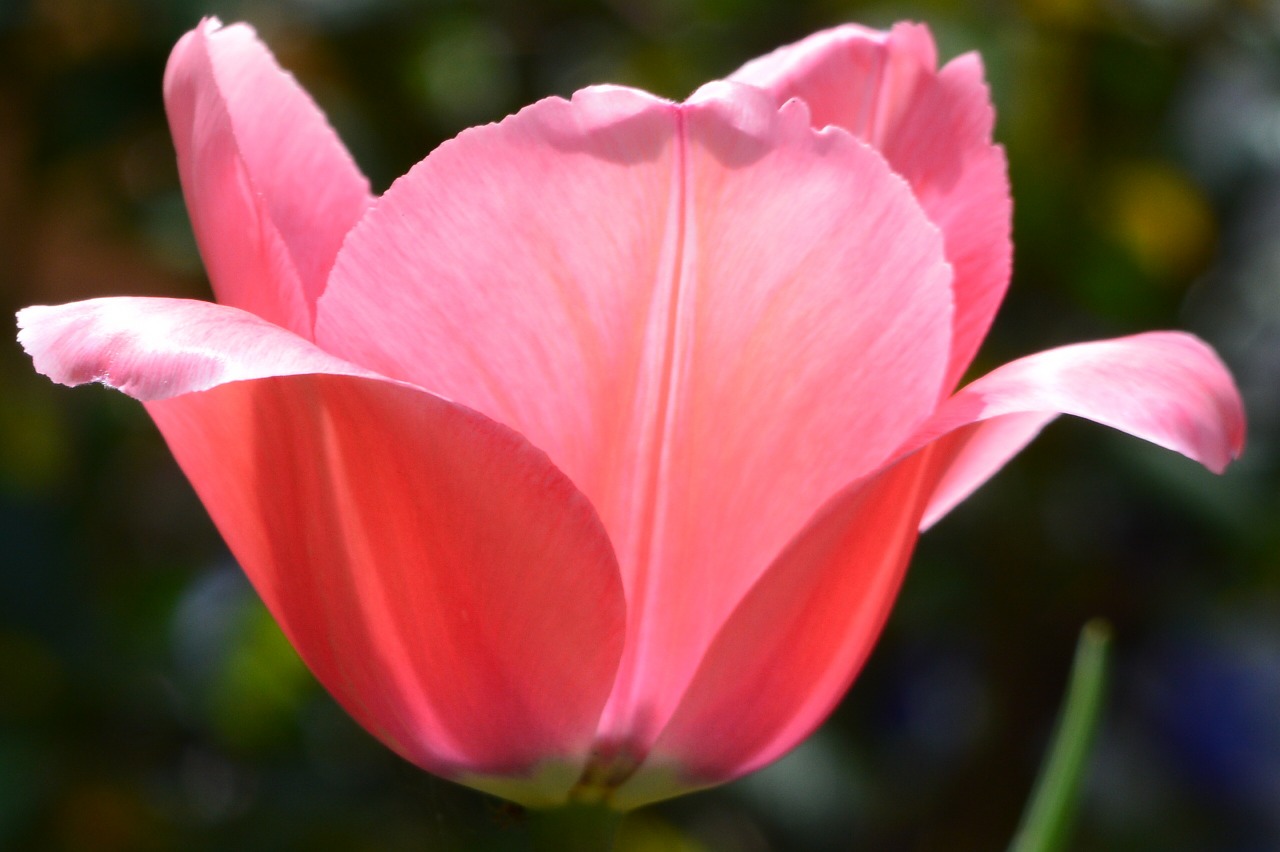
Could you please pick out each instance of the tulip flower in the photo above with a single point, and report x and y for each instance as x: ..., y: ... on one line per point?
x: 584, y: 464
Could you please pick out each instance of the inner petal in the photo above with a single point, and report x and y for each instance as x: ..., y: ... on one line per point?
x: 807, y: 321
x: 708, y: 315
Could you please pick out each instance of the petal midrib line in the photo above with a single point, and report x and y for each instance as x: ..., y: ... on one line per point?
x: 624, y: 722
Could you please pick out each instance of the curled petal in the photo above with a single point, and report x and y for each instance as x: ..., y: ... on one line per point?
x: 934, y: 127
x: 1167, y: 387
x: 159, y: 348
x: 794, y: 643
x: 270, y: 188
x: 433, y: 569
x: 977, y: 453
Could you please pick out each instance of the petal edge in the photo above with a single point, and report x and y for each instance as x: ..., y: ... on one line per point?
x: 1169, y: 388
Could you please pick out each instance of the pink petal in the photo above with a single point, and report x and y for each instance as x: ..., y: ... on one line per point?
x: 692, y: 309
x: 791, y: 648
x: 1167, y: 387
x: 270, y: 188
x: 443, y: 580
x: 455, y: 592
x: 934, y: 127
x: 978, y: 454
x: 793, y: 645
x: 850, y: 76
x: 159, y: 348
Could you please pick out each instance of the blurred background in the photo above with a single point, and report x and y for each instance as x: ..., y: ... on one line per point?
x: 147, y: 702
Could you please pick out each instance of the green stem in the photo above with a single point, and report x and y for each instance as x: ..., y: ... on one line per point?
x: 574, y: 828
x: 1047, y: 819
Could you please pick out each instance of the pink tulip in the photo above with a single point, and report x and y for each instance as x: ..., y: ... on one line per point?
x: 586, y: 462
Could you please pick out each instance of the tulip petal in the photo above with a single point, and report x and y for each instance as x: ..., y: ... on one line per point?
x: 850, y: 76
x: 934, y: 127
x: 984, y: 450
x: 793, y: 645
x: 1169, y: 388
x: 158, y: 348
x: 270, y: 188
x: 433, y: 569
x: 791, y: 648
x: 455, y: 592
x: 693, y: 309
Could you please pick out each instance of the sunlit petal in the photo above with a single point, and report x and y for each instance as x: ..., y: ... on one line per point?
x: 433, y: 569
x: 934, y: 127
x: 270, y: 189
x: 694, y: 309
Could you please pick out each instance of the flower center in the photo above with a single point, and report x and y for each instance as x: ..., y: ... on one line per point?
x: 611, y: 764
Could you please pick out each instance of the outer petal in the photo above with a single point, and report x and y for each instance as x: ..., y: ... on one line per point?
x: 270, y: 189
x: 793, y: 645
x: 442, y: 579
x: 984, y: 449
x: 934, y: 127
x: 158, y: 348
x: 692, y: 308
x: 1167, y: 387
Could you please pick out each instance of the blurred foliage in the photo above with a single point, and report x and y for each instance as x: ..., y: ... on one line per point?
x: 147, y: 701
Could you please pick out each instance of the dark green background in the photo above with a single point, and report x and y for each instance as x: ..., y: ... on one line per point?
x: 147, y: 702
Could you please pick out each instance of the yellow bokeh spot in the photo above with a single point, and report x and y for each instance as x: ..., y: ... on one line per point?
x: 1161, y: 218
